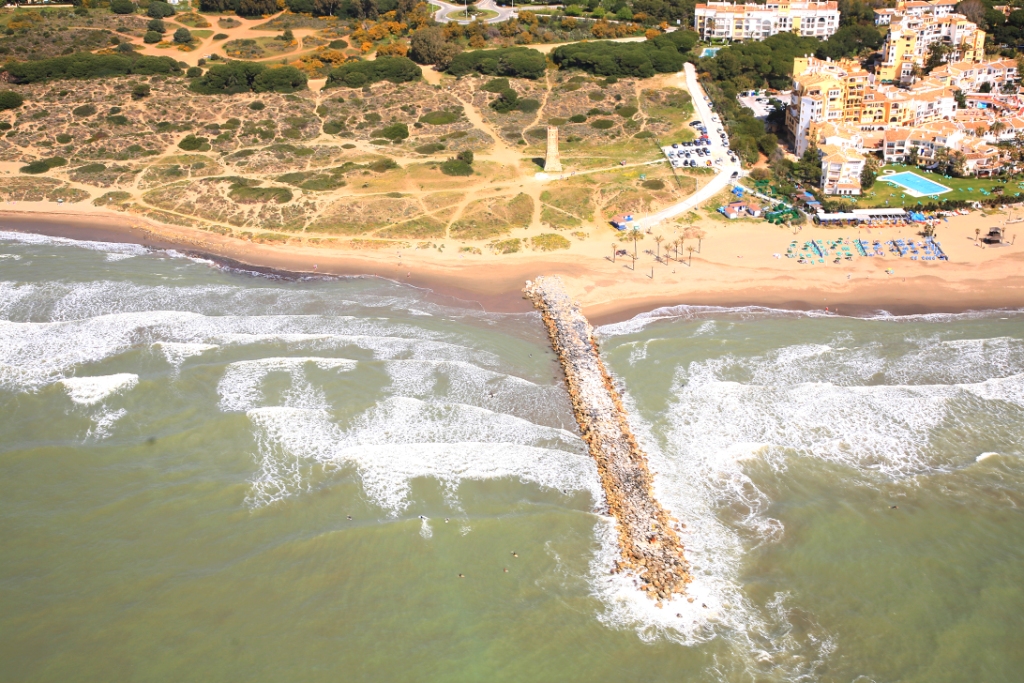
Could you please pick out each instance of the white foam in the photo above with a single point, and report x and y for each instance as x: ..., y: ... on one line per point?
x: 425, y: 530
x: 91, y: 390
x: 240, y: 387
x: 177, y: 353
x: 986, y: 456
x: 12, y: 257
x: 45, y: 240
x: 118, y: 257
x: 389, y: 454
x: 103, y: 423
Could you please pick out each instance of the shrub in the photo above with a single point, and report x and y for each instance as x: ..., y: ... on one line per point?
x: 338, y: 44
x: 244, y: 194
x: 118, y: 120
x: 440, y: 118
x: 122, y: 6
x: 91, y: 168
x: 183, y: 36
x: 159, y: 9
x: 384, y: 164
x: 549, y: 242
x: 43, y: 165
x: 359, y: 74
x: 430, y: 148
x: 626, y: 112
x: 465, y: 155
x: 510, y: 246
x: 528, y: 105
x: 456, y: 167
x: 190, y: 143
x: 151, y: 37
x: 141, y: 90
x: 602, y: 124
x: 63, y: 138
x: 520, y: 62
x: 394, y: 132
x: 496, y: 85
x: 193, y: 72
x: 255, y: 8
x: 89, y: 65
x: 219, y: 36
x: 654, y: 184
x: 84, y: 110
x: 333, y: 127
x: 257, y: 106
x: 577, y: 118
x: 10, y: 100
x: 156, y: 25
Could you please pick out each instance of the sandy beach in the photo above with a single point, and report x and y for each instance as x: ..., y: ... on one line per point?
x: 735, y: 265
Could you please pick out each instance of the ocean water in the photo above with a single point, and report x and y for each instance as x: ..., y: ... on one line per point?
x: 211, y: 475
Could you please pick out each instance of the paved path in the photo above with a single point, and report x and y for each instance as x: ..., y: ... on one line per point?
x: 504, y: 13
x: 718, y: 150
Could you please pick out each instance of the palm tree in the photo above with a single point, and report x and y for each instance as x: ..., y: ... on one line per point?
x: 614, y: 249
x: 690, y: 249
x: 977, y: 234
x: 659, y: 239
x: 997, y: 127
x: 700, y: 235
x: 636, y: 235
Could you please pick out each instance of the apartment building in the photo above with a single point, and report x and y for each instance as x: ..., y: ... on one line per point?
x: 824, y: 92
x: 841, y: 168
x: 910, y: 37
x: 971, y: 76
x: 738, y: 22
x: 915, y: 8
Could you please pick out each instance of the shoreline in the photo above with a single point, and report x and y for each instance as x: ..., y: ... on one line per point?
x: 608, y: 292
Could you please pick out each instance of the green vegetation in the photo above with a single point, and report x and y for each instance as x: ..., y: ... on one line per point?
x: 456, y: 167
x: 358, y: 74
x: 394, y: 132
x: 602, y: 124
x: 430, y: 148
x: 245, y: 193
x: 511, y: 246
x: 43, y: 165
x: 664, y: 54
x: 91, y: 168
x: 549, y: 242
x: 84, y: 110
x: 190, y: 143
x: 88, y: 65
x: 964, y: 189
x: 10, y: 100
x: 152, y: 38
x: 440, y: 118
x: 140, y: 90
x: 183, y: 36
x: 159, y: 9
x: 239, y: 77
x: 519, y: 62
x: 122, y: 6
x: 654, y: 184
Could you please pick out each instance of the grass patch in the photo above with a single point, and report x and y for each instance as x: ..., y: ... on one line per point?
x: 456, y: 167
x: 549, y: 242
x: 440, y: 118
x: 964, y: 189
x: 506, y: 246
x: 418, y: 228
x: 654, y: 184
x: 602, y: 124
x: 246, y: 194
x: 114, y: 198
x: 430, y: 148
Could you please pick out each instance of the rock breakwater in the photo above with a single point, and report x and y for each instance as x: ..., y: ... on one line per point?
x: 651, y: 548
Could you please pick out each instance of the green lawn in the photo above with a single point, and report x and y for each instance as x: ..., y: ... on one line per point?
x: 968, y: 189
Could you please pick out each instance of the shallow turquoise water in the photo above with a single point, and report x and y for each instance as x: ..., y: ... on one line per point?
x: 182, y: 447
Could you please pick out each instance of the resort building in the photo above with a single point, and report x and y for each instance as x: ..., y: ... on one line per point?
x: 971, y: 76
x: 731, y: 22
x: 842, y: 92
x: 841, y: 168
x: 911, y: 36
x: 915, y: 8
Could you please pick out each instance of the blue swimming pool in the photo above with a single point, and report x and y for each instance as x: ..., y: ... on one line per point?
x: 710, y: 51
x: 915, y: 185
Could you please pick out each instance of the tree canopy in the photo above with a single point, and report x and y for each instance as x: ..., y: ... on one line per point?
x: 238, y: 77
x: 358, y: 74
x: 663, y: 54
x: 89, y: 65
x: 519, y: 62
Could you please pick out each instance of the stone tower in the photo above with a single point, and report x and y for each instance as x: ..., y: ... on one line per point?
x: 552, y: 163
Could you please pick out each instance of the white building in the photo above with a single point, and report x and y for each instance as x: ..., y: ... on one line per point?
x: 728, y: 21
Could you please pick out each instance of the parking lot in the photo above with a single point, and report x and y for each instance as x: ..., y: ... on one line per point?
x: 760, y: 103
x: 710, y: 148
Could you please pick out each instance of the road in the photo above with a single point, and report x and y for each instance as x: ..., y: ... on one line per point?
x: 718, y: 151
x: 504, y: 13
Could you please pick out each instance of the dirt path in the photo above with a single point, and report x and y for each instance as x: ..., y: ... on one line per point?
x: 501, y: 152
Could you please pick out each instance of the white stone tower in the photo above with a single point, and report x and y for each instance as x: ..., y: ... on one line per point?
x: 551, y: 163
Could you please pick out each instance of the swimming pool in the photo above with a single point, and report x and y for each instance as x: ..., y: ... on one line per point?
x: 710, y: 51
x: 915, y: 185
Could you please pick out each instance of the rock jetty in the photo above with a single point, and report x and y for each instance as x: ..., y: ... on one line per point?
x: 651, y: 548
